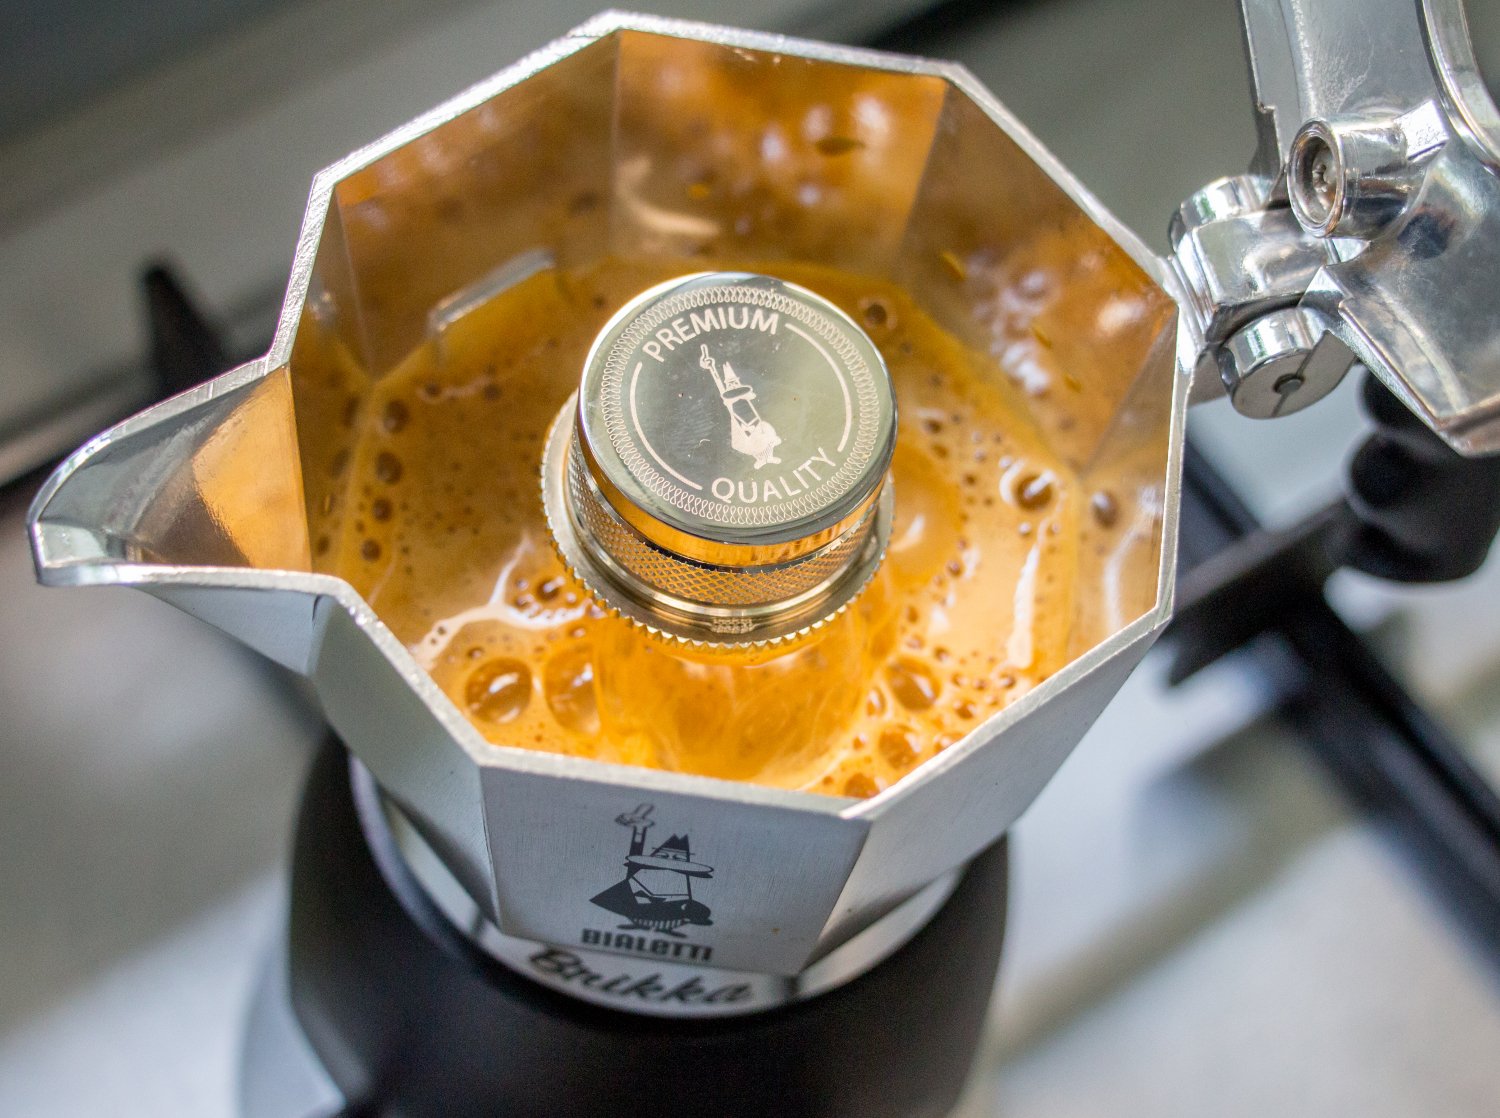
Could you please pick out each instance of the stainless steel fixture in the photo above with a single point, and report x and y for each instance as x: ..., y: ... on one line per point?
x: 691, y: 535
x: 1368, y: 227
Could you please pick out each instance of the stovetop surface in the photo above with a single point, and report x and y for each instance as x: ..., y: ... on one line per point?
x: 1200, y: 925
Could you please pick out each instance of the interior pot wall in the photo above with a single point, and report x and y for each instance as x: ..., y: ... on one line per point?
x: 1122, y: 522
x: 760, y: 157
x: 413, y: 237
x: 648, y: 145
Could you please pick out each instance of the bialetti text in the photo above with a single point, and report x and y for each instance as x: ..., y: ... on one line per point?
x: 647, y: 945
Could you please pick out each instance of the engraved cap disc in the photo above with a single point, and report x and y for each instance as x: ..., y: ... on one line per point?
x: 736, y: 418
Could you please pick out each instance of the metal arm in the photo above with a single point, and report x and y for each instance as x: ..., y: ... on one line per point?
x: 1368, y: 228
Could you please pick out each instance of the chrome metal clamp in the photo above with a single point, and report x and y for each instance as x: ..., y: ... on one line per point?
x: 1368, y: 227
x: 1246, y: 263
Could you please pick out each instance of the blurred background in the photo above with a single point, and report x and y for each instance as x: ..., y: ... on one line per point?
x: 1204, y: 921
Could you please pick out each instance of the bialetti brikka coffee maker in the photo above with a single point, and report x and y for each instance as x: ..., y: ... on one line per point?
x: 477, y: 928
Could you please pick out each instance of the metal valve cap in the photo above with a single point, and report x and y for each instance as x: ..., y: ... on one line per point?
x: 720, y: 474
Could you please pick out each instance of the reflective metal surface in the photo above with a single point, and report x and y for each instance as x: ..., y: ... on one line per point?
x: 693, y: 601
x: 1240, y: 260
x: 682, y: 503
x: 657, y: 434
x: 1468, y: 98
x: 210, y: 501
x: 1378, y: 131
x: 1281, y: 363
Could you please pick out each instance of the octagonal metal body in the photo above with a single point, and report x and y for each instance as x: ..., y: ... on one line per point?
x: 210, y: 500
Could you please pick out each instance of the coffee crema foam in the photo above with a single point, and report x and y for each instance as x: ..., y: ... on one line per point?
x: 440, y: 526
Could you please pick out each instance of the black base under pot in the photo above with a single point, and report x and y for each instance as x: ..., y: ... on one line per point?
x: 374, y: 1004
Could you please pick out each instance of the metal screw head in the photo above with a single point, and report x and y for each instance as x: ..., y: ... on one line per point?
x: 1281, y: 363
x: 1352, y: 176
x: 1316, y: 179
x: 1323, y: 177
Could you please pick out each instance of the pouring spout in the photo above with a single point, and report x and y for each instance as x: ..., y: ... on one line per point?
x: 210, y: 478
x: 197, y: 501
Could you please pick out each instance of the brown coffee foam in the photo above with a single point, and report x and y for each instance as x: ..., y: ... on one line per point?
x: 443, y: 532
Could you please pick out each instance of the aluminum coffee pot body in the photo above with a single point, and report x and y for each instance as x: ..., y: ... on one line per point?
x: 216, y: 501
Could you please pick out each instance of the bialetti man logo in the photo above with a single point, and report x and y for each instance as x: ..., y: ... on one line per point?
x: 748, y: 432
x: 654, y: 895
x: 729, y: 400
